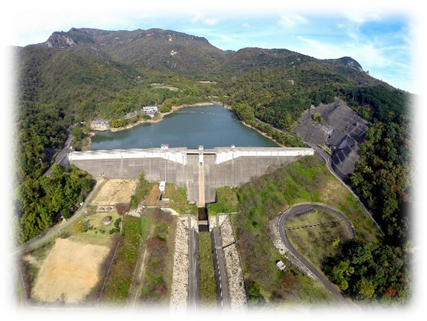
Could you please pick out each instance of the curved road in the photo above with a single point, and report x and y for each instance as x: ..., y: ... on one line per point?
x: 305, y: 209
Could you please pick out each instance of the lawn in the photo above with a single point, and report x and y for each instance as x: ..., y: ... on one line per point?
x: 207, y: 272
x: 227, y: 201
x: 123, y: 266
x: 317, y: 242
x: 159, y: 247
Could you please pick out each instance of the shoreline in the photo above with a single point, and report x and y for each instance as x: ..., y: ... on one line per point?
x: 161, y: 115
x: 262, y: 133
x: 174, y: 109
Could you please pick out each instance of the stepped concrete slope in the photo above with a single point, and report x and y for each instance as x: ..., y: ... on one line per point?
x: 201, y: 170
x: 341, y: 129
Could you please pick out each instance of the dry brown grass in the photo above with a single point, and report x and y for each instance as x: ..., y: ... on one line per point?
x: 152, y: 198
x: 69, y: 272
x: 115, y: 191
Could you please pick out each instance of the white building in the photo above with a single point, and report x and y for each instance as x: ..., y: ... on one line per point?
x: 150, y: 110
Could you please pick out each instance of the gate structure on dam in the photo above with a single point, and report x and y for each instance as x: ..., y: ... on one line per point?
x: 201, y: 170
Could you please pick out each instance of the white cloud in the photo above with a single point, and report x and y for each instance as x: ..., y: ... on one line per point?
x: 362, y: 13
x: 200, y: 17
x: 292, y: 20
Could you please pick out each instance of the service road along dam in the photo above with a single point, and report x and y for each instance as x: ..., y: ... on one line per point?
x: 306, y: 209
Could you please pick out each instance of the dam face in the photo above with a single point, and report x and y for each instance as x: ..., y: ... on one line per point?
x: 201, y: 170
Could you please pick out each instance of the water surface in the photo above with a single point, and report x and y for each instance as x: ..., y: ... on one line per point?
x: 210, y: 126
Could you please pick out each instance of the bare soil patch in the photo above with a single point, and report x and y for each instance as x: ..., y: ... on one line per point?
x: 115, y: 191
x: 153, y: 197
x: 69, y: 272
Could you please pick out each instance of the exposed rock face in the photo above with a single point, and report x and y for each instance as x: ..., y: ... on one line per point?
x: 100, y: 125
x: 60, y: 41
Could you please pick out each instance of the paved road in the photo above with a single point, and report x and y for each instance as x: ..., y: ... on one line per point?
x: 321, y: 154
x: 56, y: 229
x: 193, y: 268
x: 305, y: 209
x: 61, y: 157
x: 223, y: 293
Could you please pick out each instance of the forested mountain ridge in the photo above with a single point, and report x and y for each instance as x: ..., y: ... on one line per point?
x: 153, y: 50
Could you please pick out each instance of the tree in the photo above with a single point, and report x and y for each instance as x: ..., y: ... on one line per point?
x: 78, y: 227
x: 364, y: 289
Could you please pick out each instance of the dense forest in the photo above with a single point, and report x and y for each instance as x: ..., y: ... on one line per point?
x: 376, y: 275
x: 107, y: 75
x: 43, y: 200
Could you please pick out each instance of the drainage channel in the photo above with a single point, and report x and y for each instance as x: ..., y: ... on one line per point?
x: 203, y: 220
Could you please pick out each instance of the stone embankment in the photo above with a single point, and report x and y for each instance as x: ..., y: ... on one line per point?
x: 136, y: 212
x: 236, y: 283
x: 179, y: 291
x: 273, y: 234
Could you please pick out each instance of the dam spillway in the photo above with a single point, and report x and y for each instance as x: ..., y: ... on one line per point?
x: 200, y: 170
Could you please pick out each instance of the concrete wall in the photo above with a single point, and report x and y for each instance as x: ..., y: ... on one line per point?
x: 201, y: 171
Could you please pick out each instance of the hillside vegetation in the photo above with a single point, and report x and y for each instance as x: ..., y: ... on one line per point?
x: 85, y: 74
x: 365, y: 268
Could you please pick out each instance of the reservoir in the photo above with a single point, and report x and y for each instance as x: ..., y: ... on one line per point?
x: 210, y: 126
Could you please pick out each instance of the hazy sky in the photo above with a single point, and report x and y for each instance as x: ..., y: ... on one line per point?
x: 380, y: 36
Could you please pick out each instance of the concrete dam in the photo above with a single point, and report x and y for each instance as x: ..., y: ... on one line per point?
x: 200, y: 170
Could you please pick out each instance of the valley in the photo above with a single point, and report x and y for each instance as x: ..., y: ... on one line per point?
x: 359, y: 123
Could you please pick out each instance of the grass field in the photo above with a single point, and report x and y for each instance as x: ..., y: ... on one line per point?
x: 227, y: 201
x: 207, y: 272
x: 115, y: 191
x: 159, y: 247
x: 177, y: 197
x: 262, y: 200
x: 317, y: 242
x: 123, y: 266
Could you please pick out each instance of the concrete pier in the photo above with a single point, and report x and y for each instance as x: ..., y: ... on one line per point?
x: 201, y: 170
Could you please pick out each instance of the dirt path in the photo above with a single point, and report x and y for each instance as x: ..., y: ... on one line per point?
x: 138, y: 281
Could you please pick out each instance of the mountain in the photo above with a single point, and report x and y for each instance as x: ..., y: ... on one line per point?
x: 153, y: 49
x: 83, y: 74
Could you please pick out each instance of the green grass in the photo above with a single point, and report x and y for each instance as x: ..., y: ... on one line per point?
x: 227, y: 201
x: 145, y: 226
x: 261, y: 200
x: 178, y: 199
x: 120, y: 277
x: 157, y: 279
x: 207, y: 272
x: 316, y: 243
x: 305, y: 181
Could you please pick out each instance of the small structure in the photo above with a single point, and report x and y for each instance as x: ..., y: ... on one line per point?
x: 151, y: 110
x: 106, y: 220
x: 281, y: 265
x: 162, y: 186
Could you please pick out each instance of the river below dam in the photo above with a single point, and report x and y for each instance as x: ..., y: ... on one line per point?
x: 210, y: 126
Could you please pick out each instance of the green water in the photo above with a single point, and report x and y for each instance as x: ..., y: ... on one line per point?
x: 210, y: 126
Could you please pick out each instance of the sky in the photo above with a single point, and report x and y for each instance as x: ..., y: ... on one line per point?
x: 382, y: 37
